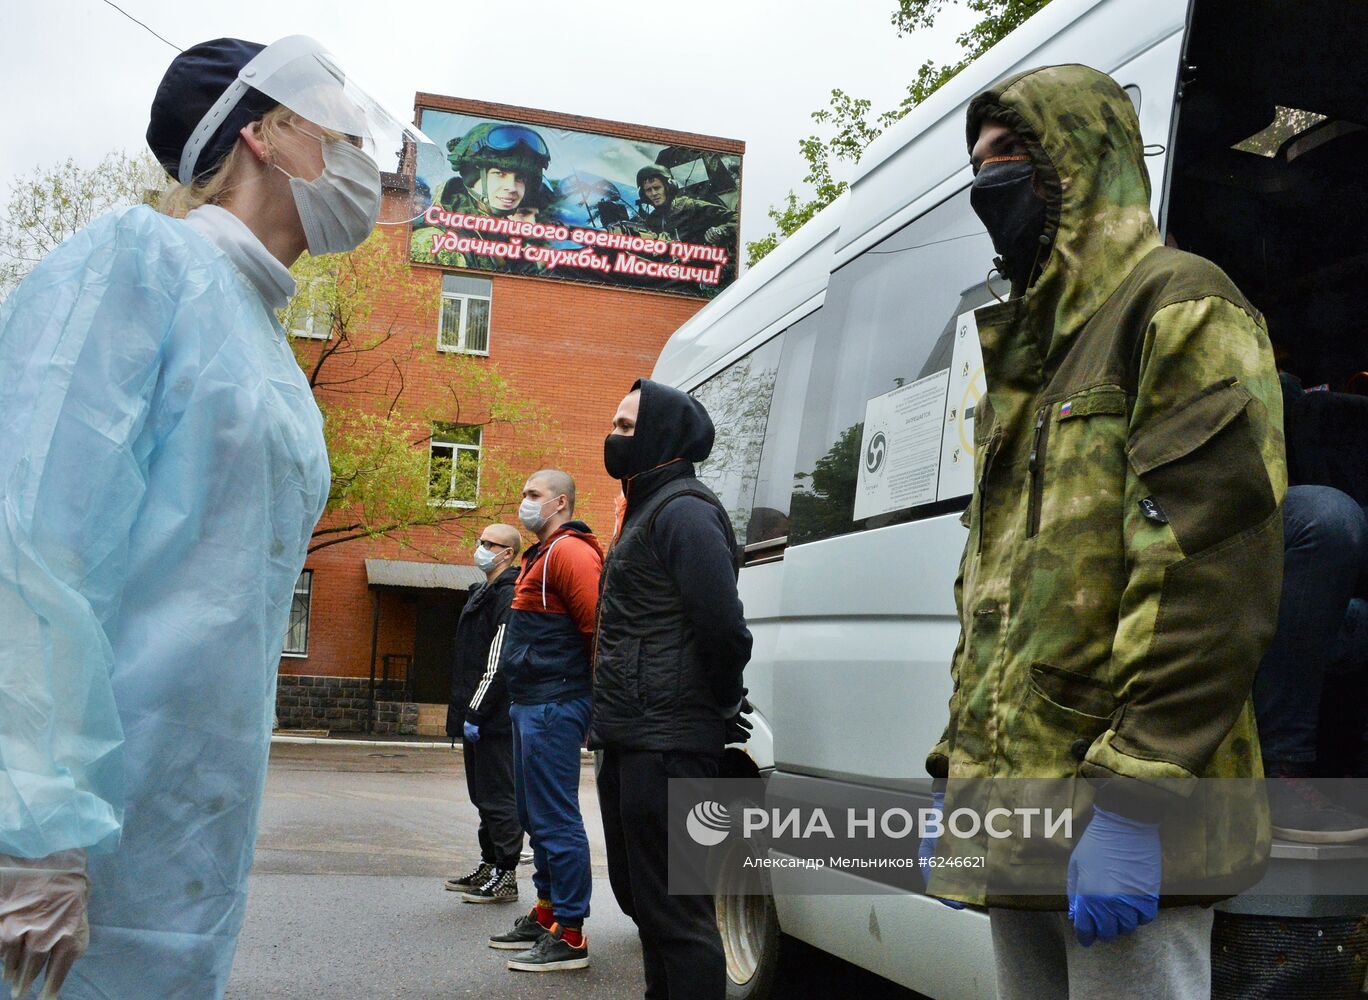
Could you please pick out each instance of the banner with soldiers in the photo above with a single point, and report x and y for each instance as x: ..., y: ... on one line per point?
x: 558, y: 203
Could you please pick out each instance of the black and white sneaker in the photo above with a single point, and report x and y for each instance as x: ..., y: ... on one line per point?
x: 525, y: 933
x: 551, y: 954
x: 482, y: 873
x: 502, y: 887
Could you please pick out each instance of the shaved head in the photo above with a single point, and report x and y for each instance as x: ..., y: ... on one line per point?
x: 555, y: 483
x: 504, y: 534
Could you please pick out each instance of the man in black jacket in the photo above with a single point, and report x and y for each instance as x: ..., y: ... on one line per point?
x: 672, y: 642
x: 479, y: 714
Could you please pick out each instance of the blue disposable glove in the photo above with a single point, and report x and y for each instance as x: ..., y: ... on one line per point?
x: 1114, y: 875
x: 472, y: 732
x: 927, y: 851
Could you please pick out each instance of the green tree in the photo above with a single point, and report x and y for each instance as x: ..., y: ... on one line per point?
x: 387, y: 479
x: 50, y: 204
x: 849, y: 124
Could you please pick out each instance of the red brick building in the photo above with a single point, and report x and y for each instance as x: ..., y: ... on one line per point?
x: 568, y: 348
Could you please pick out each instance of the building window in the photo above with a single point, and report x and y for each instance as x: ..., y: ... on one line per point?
x: 297, y: 635
x: 464, y: 322
x: 310, y: 314
x: 454, y: 465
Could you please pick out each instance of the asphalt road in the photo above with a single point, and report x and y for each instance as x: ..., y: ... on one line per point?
x: 347, y: 900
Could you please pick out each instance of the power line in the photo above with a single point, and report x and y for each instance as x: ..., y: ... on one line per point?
x: 143, y: 26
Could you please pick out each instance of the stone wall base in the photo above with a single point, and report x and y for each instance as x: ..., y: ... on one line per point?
x: 339, y: 705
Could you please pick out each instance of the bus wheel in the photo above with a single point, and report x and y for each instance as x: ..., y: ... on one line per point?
x: 749, y: 925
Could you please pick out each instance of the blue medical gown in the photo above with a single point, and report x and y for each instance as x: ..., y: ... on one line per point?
x: 161, y: 469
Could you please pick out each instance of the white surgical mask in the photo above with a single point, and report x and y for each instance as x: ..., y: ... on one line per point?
x: 338, y: 209
x: 485, y: 558
x: 530, y: 514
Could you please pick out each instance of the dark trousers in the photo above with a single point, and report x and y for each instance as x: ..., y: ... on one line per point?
x: 1325, y: 535
x: 680, y: 943
x: 489, y: 779
x: 546, y: 774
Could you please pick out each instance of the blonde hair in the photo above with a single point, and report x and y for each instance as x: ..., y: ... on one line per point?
x: 213, y: 186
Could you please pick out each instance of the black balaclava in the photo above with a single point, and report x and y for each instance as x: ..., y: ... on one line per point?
x: 671, y: 425
x: 1003, y: 196
x: 617, y: 455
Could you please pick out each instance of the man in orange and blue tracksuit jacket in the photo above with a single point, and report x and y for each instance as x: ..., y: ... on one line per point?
x: 545, y: 659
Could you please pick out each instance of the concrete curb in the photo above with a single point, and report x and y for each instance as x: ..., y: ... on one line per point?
x: 330, y: 741
x: 393, y: 744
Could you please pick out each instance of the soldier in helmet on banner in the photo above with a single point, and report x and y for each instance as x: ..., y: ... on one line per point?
x: 675, y: 216
x: 499, y: 170
x: 689, y: 220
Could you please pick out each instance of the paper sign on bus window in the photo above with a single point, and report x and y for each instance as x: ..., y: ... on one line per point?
x: 966, y: 390
x: 917, y: 446
x: 900, y: 447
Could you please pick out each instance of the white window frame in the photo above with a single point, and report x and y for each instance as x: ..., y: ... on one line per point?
x: 465, y: 298
x: 301, y: 654
x: 438, y: 441
x: 307, y: 329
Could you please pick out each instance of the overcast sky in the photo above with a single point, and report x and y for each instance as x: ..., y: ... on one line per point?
x: 78, y: 76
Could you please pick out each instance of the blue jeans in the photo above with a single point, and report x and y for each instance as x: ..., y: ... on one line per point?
x: 546, y: 775
x: 1325, y: 536
x: 1352, y: 650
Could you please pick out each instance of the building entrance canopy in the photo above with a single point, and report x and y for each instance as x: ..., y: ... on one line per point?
x: 395, y: 573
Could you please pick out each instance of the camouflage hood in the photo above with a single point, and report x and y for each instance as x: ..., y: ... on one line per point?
x: 1084, y: 138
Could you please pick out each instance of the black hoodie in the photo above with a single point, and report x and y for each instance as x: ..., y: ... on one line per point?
x: 670, y: 425
x: 672, y: 633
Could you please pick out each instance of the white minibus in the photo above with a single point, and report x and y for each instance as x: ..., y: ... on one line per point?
x: 1253, y: 112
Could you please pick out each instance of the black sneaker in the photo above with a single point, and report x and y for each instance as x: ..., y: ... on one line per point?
x: 525, y: 933
x: 551, y: 954
x: 502, y: 887
x: 483, y: 872
x: 1301, y: 812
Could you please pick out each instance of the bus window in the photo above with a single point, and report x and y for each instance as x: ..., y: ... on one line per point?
x: 769, y: 520
x: 738, y: 400
x: 888, y: 316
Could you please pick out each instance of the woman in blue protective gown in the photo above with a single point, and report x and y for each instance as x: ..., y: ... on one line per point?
x: 162, y: 466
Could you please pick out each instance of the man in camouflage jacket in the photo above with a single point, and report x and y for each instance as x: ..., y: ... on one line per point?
x: 1121, y: 576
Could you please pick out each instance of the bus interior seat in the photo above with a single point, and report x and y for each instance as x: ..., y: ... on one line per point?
x: 1325, y: 433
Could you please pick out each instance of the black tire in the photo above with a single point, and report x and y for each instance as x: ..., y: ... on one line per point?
x: 748, y: 924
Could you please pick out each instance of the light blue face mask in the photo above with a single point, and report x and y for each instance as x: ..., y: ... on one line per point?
x: 530, y: 513
x: 485, y: 558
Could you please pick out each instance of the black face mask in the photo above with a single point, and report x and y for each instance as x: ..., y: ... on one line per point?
x: 617, y: 455
x: 1003, y: 196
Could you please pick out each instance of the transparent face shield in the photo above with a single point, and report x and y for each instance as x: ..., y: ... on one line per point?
x: 300, y: 74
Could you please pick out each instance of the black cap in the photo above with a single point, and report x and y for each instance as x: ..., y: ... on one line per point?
x: 192, y: 85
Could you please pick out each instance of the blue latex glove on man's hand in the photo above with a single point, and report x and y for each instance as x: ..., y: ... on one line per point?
x: 927, y: 851
x: 472, y: 732
x: 1114, y: 875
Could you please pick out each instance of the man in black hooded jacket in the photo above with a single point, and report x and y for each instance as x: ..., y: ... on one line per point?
x: 672, y: 642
